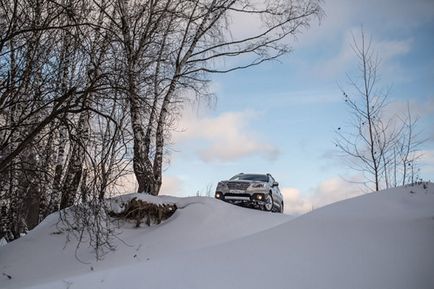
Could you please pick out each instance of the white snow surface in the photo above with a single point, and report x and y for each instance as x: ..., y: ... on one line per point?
x: 378, y: 240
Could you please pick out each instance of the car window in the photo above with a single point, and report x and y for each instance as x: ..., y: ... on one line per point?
x: 250, y: 177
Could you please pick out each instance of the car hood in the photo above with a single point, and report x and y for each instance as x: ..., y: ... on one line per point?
x: 243, y: 181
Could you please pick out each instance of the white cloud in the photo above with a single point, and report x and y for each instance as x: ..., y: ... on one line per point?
x: 426, y: 165
x: 338, y: 63
x: 427, y: 157
x: 172, y: 185
x: 418, y: 109
x: 389, y: 49
x: 327, y: 192
x: 333, y: 190
x: 295, y: 204
x: 243, y: 25
x: 229, y: 136
x: 379, y: 16
x: 125, y: 184
x: 345, y: 59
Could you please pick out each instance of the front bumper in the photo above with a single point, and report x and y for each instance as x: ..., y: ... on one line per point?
x: 255, y: 200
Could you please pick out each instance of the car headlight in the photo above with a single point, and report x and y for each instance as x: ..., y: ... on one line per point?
x: 218, y: 195
x: 258, y: 186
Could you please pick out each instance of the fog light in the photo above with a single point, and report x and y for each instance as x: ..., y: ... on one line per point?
x: 259, y: 197
x: 218, y: 195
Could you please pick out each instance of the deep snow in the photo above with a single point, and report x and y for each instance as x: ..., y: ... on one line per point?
x: 379, y: 240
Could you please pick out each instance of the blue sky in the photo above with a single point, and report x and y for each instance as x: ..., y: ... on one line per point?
x: 281, y: 117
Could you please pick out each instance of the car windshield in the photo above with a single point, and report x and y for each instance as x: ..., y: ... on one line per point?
x: 250, y: 177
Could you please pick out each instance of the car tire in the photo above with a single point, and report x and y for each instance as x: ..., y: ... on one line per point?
x: 281, y: 208
x: 269, y: 205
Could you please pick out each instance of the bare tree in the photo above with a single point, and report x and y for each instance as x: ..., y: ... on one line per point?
x: 43, y: 87
x: 377, y: 145
x: 89, y: 86
x: 406, y: 151
x: 185, y: 41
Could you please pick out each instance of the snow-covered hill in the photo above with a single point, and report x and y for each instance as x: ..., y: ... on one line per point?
x: 378, y: 240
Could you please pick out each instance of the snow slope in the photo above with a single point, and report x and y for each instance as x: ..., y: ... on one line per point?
x: 378, y: 240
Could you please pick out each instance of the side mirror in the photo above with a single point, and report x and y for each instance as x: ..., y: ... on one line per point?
x: 275, y: 184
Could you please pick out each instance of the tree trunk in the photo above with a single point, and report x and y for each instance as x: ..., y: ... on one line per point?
x: 75, y: 166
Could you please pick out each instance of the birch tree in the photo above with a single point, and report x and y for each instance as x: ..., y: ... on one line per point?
x: 189, y: 40
x: 88, y: 86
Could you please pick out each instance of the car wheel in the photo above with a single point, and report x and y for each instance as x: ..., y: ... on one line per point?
x: 268, y: 203
x: 281, y: 208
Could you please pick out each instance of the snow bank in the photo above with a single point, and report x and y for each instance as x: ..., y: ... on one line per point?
x: 117, y: 204
x: 44, y: 255
x: 378, y: 240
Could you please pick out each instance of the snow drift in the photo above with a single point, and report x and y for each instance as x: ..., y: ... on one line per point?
x: 379, y: 240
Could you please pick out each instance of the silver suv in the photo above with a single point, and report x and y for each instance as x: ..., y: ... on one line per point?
x: 259, y: 191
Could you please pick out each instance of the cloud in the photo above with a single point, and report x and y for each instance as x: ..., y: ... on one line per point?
x: 418, y: 109
x: 427, y: 157
x: 338, y: 63
x: 345, y: 59
x: 295, y: 204
x: 426, y: 165
x: 389, y: 49
x: 228, y: 136
x: 329, y: 191
x: 244, y: 25
x: 171, y: 186
x: 335, y: 189
x: 127, y: 183
x: 380, y: 16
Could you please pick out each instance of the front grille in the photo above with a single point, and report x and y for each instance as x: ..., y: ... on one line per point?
x: 237, y: 195
x: 238, y: 185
